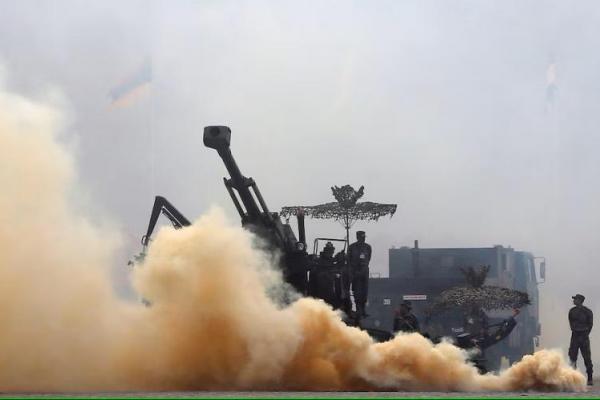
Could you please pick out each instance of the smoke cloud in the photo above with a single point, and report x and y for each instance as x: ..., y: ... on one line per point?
x: 57, y: 309
x: 472, y: 140
x: 211, y: 324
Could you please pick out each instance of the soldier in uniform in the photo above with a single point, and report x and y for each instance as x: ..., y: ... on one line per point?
x: 322, y: 277
x: 405, y: 320
x: 359, y: 255
x: 486, y: 338
x: 327, y: 252
x: 581, y: 320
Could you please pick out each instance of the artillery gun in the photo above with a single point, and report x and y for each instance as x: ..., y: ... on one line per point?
x: 317, y: 275
x: 255, y: 214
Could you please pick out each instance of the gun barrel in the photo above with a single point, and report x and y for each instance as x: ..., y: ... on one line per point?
x: 219, y: 138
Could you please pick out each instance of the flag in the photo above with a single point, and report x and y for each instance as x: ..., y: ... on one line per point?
x: 133, y: 86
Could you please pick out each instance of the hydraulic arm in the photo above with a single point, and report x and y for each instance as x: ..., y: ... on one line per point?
x: 162, y: 206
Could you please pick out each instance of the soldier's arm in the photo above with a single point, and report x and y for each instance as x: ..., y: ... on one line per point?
x: 591, y: 320
x: 505, y: 329
x: 571, y: 319
x: 349, y: 255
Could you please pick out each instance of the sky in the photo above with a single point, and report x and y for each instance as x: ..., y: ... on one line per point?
x: 438, y: 106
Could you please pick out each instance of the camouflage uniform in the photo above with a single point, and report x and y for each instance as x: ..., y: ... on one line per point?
x: 406, y: 323
x: 359, y: 255
x: 581, y: 320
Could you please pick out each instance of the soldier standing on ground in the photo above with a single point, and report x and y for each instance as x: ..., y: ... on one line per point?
x: 359, y: 255
x: 581, y: 320
x: 405, y: 320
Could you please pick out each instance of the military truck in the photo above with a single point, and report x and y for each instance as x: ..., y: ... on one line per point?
x: 421, y: 274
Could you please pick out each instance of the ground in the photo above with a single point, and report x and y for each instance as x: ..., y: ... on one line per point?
x: 594, y: 392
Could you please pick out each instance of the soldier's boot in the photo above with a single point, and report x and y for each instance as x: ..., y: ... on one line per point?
x: 590, y: 381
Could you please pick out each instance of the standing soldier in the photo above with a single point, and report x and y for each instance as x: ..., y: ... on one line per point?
x: 581, y: 320
x: 405, y: 320
x: 359, y: 255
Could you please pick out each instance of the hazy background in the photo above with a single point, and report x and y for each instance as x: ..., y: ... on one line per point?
x: 438, y: 106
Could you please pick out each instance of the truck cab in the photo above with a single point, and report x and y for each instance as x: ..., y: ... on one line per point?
x: 422, y: 274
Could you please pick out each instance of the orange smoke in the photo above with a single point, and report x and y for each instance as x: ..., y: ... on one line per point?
x: 211, y: 324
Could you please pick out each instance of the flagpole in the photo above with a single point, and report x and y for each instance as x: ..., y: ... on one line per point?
x: 152, y: 146
x: 152, y: 121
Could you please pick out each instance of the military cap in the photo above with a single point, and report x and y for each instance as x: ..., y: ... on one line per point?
x: 578, y: 296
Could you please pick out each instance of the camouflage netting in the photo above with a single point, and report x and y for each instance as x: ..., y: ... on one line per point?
x: 477, y: 296
x: 346, y: 208
x: 484, y: 297
x: 364, y: 211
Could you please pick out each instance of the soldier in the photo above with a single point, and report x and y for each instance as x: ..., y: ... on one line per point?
x: 327, y: 252
x: 581, y: 320
x: 486, y: 338
x: 359, y: 255
x: 475, y: 320
x: 322, y: 277
x: 405, y: 320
